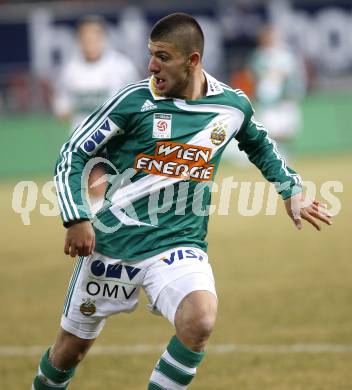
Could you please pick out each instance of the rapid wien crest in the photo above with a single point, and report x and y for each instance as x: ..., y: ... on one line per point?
x: 218, y: 134
x: 87, y: 307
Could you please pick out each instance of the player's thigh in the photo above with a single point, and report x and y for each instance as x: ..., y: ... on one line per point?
x: 177, y: 274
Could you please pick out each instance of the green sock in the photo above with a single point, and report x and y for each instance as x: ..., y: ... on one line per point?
x: 50, y: 377
x: 176, y: 367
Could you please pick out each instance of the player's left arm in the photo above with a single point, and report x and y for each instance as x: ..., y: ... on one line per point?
x: 300, y: 206
x: 262, y: 152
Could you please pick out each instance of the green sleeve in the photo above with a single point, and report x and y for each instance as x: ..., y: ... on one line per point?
x: 262, y: 152
x: 77, y: 157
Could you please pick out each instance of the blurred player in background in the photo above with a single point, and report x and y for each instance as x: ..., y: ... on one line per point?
x: 280, y: 82
x: 172, y: 129
x: 94, y: 74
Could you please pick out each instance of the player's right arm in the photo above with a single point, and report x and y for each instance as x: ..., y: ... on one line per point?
x: 80, y: 239
x: 72, y: 170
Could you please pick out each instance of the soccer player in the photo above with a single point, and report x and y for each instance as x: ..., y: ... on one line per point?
x: 93, y: 74
x: 280, y: 83
x: 164, y: 138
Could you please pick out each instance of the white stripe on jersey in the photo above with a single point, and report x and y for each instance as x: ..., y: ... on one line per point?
x: 238, y: 92
x: 153, y: 183
x: 233, y: 118
x: 145, y: 186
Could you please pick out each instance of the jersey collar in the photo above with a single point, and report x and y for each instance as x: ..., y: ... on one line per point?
x: 213, y: 87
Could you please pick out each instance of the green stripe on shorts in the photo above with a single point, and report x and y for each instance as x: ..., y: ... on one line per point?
x: 73, y: 284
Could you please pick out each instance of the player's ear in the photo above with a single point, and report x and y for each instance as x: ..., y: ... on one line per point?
x: 193, y: 59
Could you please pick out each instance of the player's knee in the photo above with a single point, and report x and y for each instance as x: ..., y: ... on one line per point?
x: 196, y: 328
x: 195, y: 317
x: 202, y: 327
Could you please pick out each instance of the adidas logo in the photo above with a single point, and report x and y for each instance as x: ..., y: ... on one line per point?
x: 148, y: 105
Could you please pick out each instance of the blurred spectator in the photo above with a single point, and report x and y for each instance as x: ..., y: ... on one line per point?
x: 94, y: 74
x: 280, y: 82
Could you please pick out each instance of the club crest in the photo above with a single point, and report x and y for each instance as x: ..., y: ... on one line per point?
x: 87, y: 307
x: 218, y: 134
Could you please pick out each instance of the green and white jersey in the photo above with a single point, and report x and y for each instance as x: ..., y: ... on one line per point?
x: 163, y: 156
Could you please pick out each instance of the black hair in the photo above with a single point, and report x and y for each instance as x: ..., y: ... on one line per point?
x: 182, y: 30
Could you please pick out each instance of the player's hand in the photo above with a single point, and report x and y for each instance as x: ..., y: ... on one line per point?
x: 80, y: 239
x: 300, y: 206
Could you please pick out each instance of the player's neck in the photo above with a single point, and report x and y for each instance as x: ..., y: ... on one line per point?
x: 197, y: 87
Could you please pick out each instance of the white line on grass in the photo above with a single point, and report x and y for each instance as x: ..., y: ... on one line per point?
x: 141, y: 349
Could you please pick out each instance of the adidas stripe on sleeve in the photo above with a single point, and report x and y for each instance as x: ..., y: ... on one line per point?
x: 84, y: 143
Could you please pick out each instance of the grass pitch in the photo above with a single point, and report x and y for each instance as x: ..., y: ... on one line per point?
x: 276, y: 285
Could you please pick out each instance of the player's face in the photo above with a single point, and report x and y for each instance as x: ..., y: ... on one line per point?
x: 92, y: 41
x: 170, y: 68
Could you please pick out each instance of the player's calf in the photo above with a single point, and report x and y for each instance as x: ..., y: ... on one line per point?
x: 58, y: 363
x: 69, y: 350
x: 194, y: 321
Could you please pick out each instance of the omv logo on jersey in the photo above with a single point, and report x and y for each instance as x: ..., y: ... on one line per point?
x: 100, y: 136
x: 182, y: 254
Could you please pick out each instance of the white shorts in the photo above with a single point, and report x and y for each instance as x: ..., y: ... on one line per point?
x: 101, y: 286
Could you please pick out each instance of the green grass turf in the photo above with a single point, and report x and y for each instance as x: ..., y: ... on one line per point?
x: 276, y: 286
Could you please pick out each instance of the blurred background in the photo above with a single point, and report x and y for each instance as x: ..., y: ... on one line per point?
x: 305, y: 62
x: 278, y: 288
